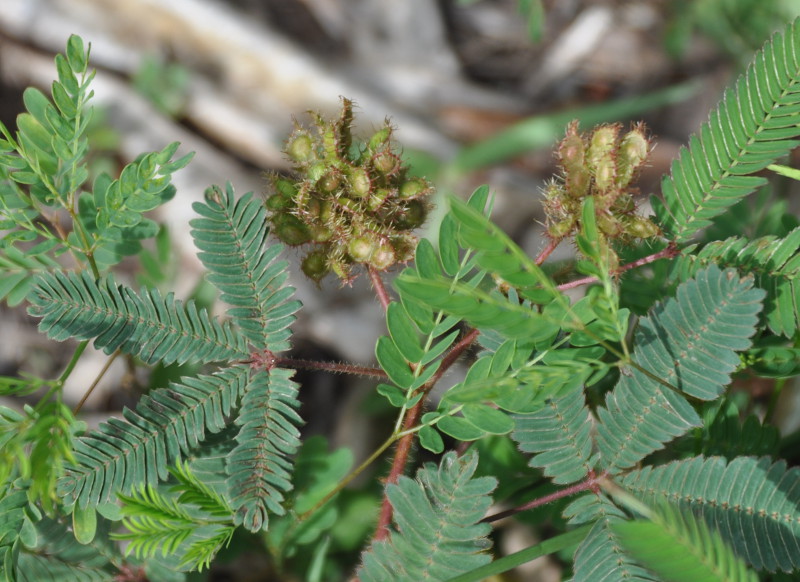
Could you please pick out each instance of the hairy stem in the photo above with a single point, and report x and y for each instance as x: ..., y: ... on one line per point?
x: 380, y: 288
x: 404, y: 446
x: 546, y: 251
x: 336, y: 367
x: 591, y: 483
x: 669, y: 252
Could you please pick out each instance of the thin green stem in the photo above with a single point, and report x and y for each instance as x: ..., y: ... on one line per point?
x: 506, y: 563
x: 91, y: 388
x: 773, y: 399
x: 73, y: 362
x: 353, y: 474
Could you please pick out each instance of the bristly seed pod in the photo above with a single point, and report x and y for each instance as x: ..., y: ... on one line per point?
x: 633, y: 152
x: 414, y: 188
x: 315, y: 265
x: 300, y: 147
x: 382, y: 257
x: 359, y: 182
x: 290, y: 229
x: 601, y: 166
x: 361, y: 248
x: 357, y: 205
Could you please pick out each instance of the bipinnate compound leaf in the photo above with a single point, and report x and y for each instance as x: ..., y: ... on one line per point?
x: 560, y: 436
x: 601, y: 558
x: 232, y: 238
x: 754, y: 124
x: 146, y: 325
x: 498, y: 254
x: 260, y: 467
x: 167, y: 423
x: 438, y: 533
x: 57, y: 556
x: 689, y: 343
x: 679, y: 547
x: 12, y: 517
x: 754, y: 504
x: 774, y: 262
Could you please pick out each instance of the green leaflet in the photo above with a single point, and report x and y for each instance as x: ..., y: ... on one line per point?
x: 560, y: 435
x: 56, y: 556
x: 688, y: 342
x: 775, y: 264
x: 12, y: 519
x: 679, y: 547
x: 498, y: 254
x: 259, y: 468
x: 755, y: 124
x: 600, y: 557
x: 190, y: 521
x: 754, y: 504
x: 149, y: 326
x: 19, y: 270
x: 480, y: 309
x: 232, y: 238
x: 123, y: 454
x: 438, y: 535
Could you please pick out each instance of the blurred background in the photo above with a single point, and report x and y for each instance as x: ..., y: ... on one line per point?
x: 479, y: 91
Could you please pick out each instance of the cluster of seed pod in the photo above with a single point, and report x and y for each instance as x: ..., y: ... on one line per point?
x: 601, y: 165
x: 353, y: 204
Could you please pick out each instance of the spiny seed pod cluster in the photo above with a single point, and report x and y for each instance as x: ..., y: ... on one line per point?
x: 602, y: 165
x: 352, y: 204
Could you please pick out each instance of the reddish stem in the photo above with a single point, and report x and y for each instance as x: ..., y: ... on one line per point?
x: 404, y: 446
x: 380, y: 288
x: 670, y: 251
x: 336, y: 367
x: 546, y: 251
x: 591, y: 483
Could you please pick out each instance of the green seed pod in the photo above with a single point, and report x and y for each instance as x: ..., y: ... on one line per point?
x: 359, y: 182
x: 378, y: 198
x: 624, y: 204
x: 601, y: 154
x: 330, y: 181
x: 572, y: 150
x: 341, y: 269
x: 360, y: 248
x: 300, y: 147
x: 633, y: 151
x: 290, y: 229
x: 577, y: 183
x: 320, y: 233
x: 285, y: 187
x: 604, y: 140
x: 325, y: 211
x: 640, y: 227
x: 349, y: 204
x: 609, y: 225
x: 605, y: 174
x: 410, y: 216
x: 315, y: 265
x: 561, y: 228
x: 383, y: 256
x: 414, y: 188
x: 404, y: 246
x: 277, y: 202
x: 316, y: 171
x: 386, y: 163
x: 379, y: 138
